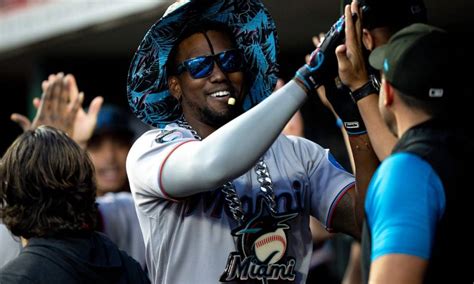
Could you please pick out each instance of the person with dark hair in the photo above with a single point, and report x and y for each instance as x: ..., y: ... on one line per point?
x: 353, y: 95
x: 221, y: 194
x: 376, y: 22
x: 48, y: 198
x: 113, y: 134
x: 105, y: 131
x: 413, y: 204
x: 108, y: 148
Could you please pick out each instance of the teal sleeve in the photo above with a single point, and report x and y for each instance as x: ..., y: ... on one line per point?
x: 405, y: 200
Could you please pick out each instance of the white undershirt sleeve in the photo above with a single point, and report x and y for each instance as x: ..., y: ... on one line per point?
x: 231, y: 150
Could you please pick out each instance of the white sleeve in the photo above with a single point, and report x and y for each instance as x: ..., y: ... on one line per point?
x: 232, y: 149
x: 146, y: 158
x: 332, y: 182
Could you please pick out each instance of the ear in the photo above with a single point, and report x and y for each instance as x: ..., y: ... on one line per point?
x: 389, y: 93
x: 367, y: 39
x: 174, y: 87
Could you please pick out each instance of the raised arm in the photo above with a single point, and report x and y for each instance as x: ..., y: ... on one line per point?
x: 353, y: 73
x: 232, y: 149
x: 398, y: 268
x: 349, y: 212
x: 60, y: 106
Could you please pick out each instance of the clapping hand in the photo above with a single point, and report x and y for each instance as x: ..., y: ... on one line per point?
x: 60, y: 106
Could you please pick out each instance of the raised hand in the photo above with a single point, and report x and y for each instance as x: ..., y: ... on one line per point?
x: 352, y: 69
x: 338, y: 100
x: 84, y: 122
x: 61, y: 107
x: 57, y: 108
x: 345, y: 108
x: 322, y: 63
x: 317, y: 40
x: 22, y: 120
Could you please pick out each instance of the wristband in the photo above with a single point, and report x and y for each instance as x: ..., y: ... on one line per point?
x: 362, y: 92
x: 345, y: 108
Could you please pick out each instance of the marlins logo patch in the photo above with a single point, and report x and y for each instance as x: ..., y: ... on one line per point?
x: 168, y: 135
x: 334, y: 162
x: 262, y: 244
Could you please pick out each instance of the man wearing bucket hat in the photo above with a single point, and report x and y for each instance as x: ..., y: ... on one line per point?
x: 222, y: 196
x: 411, y: 206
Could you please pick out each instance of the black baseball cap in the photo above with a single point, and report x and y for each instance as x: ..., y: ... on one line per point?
x: 113, y: 120
x: 416, y: 60
x: 394, y: 14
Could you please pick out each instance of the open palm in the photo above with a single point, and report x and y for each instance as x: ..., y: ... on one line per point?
x: 61, y: 107
x: 84, y: 122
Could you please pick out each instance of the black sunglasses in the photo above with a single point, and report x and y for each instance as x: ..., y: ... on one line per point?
x: 200, y: 67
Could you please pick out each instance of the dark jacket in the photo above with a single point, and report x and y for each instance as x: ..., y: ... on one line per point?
x: 92, y: 258
x: 447, y: 149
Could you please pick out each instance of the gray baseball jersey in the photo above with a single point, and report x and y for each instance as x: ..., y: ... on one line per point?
x: 189, y: 240
x: 121, y: 224
x: 10, y: 246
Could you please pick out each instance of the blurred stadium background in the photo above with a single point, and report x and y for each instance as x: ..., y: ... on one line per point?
x: 95, y: 40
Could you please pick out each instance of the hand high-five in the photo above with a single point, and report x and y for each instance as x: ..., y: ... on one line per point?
x: 60, y: 106
x: 352, y: 70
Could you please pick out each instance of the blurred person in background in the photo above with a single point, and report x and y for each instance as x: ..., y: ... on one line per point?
x: 413, y: 204
x: 51, y: 206
x: 106, y: 132
x: 108, y: 148
x: 376, y: 22
x: 353, y: 98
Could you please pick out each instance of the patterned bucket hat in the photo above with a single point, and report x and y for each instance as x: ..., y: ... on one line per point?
x: 255, y: 35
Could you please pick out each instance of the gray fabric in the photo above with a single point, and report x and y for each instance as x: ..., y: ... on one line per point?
x: 10, y: 246
x: 121, y: 224
x: 189, y: 241
x: 89, y: 258
x: 227, y: 144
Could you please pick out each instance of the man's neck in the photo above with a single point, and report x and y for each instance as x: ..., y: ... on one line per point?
x: 24, y: 242
x: 202, y: 129
x: 407, y: 118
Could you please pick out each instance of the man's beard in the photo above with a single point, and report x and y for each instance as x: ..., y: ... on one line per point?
x: 217, y: 120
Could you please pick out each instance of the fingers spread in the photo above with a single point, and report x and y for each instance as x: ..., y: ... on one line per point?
x: 49, y: 97
x: 36, y: 103
x: 343, y: 61
x: 349, y: 29
x: 95, y: 106
x: 73, y: 89
x: 21, y: 120
x: 316, y: 41
x: 355, y: 9
x: 341, y: 54
x: 75, y: 105
x: 71, y: 115
x: 44, y: 85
